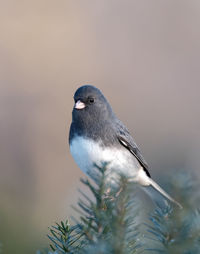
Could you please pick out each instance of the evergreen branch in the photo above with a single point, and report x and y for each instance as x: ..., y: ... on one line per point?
x: 178, y: 231
x: 64, y: 238
x: 109, y: 222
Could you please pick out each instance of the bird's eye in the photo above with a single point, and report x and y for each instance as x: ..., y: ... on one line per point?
x: 91, y: 100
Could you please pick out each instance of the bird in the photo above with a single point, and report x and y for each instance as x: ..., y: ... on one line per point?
x: 96, y: 135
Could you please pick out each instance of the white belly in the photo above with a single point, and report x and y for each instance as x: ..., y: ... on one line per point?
x: 86, y: 153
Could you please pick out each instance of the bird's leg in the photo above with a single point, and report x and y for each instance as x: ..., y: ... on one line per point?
x: 107, y: 192
x: 119, y: 191
x: 114, y: 195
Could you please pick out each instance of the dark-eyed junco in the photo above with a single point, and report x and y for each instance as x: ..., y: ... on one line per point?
x: 97, y: 135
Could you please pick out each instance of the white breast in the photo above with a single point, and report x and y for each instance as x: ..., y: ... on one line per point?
x: 86, y: 152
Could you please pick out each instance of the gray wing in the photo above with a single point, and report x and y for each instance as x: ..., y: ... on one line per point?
x: 128, y: 142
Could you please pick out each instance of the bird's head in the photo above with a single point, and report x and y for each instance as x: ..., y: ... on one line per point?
x: 90, y: 103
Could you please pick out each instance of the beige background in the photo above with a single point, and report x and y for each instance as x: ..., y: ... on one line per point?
x: 143, y: 55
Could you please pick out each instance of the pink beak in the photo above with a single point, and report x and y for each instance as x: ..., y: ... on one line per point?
x: 79, y: 105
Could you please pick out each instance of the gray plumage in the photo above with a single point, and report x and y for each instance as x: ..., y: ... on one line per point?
x: 99, y: 122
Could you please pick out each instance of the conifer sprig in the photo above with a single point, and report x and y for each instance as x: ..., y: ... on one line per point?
x: 110, y: 222
x: 178, y: 231
x: 107, y: 223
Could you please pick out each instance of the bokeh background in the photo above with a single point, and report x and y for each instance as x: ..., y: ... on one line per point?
x: 144, y: 55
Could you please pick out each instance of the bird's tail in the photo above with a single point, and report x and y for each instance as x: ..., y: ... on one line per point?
x: 145, y: 181
x: 163, y: 193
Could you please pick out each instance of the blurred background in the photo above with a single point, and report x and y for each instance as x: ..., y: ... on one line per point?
x: 143, y: 55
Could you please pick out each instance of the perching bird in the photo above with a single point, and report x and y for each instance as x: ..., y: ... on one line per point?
x: 97, y: 135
